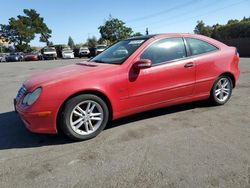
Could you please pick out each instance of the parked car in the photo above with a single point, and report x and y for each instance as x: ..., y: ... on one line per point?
x: 67, y: 53
x: 84, y: 52
x: 2, y: 57
x: 15, y: 56
x: 33, y: 56
x: 100, y: 48
x: 94, y: 51
x: 49, y: 53
x: 157, y: 71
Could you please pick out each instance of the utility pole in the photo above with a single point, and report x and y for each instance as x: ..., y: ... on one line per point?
x: 146, y: 31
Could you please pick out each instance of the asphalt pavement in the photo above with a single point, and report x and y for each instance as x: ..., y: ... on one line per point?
x: 190, y: 145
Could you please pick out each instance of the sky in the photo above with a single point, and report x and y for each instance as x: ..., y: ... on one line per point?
x: 80, y: 19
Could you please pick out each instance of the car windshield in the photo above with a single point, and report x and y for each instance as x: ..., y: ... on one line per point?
x: 49, y: 49
x: 67, y: 50
x: 84, y: 48
x: 119, y: 52
x: 101, y: 47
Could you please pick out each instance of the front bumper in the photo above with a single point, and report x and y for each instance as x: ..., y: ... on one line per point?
x: 49, y: 56
x: 37, y: 122
x: 68, y: 56
x: 83, y: 54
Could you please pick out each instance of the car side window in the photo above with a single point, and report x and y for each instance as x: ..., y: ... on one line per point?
x: 165, y: 50
x: 200, y: 47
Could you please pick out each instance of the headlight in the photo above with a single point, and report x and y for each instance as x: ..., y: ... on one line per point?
x: 30, y: 98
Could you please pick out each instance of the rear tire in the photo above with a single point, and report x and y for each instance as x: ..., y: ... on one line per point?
x: 222, y: 90
x: 84, y: 117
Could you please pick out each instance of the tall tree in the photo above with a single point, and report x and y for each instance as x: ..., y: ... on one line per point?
x: 21, y: 30
x: 38, y: 24
x: 233, y: 29
x: 202, y: 29
x: 92, y: 42
x: 114, y: 30
x: 71, y: 43
x: 137, y: 34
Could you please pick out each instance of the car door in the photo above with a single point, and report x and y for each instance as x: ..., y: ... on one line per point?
x: 172, y: 75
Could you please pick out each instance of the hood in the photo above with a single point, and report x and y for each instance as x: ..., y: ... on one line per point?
x: 31, y: 55
x: 84, y: 50
x: 52, y: 52
x: 13, y: 56
x: 100, y: 50
x: 68, y: 72
x: 67, y: 52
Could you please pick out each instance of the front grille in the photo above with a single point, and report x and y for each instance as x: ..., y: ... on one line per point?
x: 49, y: 55
x: 21, y: 92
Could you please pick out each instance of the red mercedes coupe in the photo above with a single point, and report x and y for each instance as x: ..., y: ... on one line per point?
x: 131, y: 76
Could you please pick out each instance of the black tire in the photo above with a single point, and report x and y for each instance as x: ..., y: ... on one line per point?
x: 66, y: 115
x: 213, y: 98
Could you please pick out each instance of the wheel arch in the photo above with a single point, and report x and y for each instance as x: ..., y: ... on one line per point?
x: 231, y: 76
x: 93, y: 92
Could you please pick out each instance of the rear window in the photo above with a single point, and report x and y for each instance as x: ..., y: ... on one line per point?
x: 200, y: 47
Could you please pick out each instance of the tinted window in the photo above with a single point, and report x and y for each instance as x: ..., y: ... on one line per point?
x: 165, y: 50
x: 199, y: 47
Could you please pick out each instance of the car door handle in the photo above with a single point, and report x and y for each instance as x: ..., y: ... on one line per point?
x: 189, y: 65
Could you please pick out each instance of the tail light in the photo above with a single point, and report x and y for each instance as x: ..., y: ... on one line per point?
x: 236, y: 57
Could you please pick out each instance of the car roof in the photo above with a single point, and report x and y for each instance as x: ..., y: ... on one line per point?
x: 170, y: 35
x: 143, y: 37
x: 162, y: 35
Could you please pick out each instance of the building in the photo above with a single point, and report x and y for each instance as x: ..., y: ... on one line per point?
x: 4, y: 42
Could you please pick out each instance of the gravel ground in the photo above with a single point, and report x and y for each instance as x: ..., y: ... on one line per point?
x: 190, y: 145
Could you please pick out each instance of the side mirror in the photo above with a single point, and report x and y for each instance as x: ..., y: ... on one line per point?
x: 143, y: 64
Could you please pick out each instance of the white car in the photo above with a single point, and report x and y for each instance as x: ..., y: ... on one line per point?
x: 2, y: 58
x: 84, y: 52
x: 67, y: 53
x: 49, y: 53
x: 100, y: 48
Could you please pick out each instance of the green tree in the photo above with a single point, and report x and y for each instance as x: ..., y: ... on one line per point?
x: 37, y: 23
x: 71, y: 43
x: 202, y: 29
x: 114, y: 30
x: 137, y: 34
x: 21, y: 30
x: 102, y: 41
x: 91, y: 42
x: 233, y: 29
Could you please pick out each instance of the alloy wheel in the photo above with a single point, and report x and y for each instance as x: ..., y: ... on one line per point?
x: 223, y: 89
x: 86, y: 117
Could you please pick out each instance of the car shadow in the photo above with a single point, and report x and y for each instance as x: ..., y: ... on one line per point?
x: 13, y: 133
x: 158, y: 112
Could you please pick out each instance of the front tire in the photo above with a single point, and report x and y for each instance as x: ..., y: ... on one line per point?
x: 84, y: 117
x: 222, y: 90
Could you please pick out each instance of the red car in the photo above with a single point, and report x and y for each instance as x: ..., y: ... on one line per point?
x: 132, y: 76
x: 33, y: 56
